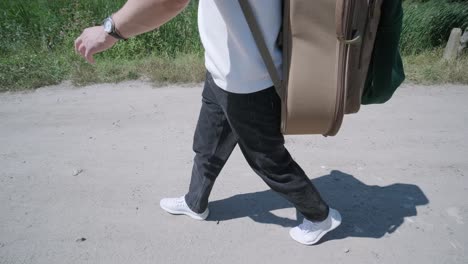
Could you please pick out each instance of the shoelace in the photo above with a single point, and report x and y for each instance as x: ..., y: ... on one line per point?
x: 308, y: 226
x: 180, y: 202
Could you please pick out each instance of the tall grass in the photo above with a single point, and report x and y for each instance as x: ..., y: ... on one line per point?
x: 36, y: 42
x: 427, y: 23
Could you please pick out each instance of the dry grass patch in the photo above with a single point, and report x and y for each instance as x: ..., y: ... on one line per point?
x: 429, y: 68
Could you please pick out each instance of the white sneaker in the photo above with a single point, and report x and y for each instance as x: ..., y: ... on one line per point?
x: 178, y: 206
x: 309, y: 233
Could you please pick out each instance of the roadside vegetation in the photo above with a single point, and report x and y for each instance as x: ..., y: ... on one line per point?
x: 426, y: 28
x: 36, y: 44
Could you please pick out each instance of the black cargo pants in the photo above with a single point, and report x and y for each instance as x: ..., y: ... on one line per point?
x: 252, y: 121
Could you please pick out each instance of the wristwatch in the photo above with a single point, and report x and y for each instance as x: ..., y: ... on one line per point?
x: 110, y: 28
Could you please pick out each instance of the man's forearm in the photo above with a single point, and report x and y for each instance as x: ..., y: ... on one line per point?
x: 140, y: 16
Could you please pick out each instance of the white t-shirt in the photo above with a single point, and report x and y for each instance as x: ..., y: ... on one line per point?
x: 231, y: 55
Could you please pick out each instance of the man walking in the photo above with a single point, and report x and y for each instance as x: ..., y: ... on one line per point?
x: 239, y: 104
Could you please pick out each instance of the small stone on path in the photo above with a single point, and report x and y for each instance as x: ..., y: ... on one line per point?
x: 81, y: 239
x: 77, y: 172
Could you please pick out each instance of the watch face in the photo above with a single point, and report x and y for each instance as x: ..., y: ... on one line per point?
x: 107, y: 26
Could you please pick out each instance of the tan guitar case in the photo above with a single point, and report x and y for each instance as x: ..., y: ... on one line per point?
x: 327, y: 47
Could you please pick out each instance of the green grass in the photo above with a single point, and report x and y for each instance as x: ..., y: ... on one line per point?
x: 36, y: 47
x: 33, y: 70
x: 184, y: 68
x: 25, y: 70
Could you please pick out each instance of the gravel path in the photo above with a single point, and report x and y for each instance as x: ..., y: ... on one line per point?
x: 82, y: 171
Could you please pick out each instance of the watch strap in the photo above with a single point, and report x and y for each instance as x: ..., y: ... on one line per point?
x: 116, y: 35
x: 114, y: 32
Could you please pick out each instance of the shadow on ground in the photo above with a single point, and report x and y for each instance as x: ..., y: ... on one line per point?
x: 367, y: 211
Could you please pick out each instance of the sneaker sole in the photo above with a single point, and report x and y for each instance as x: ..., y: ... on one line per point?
x: 199, y: 217
x: 336, y: 221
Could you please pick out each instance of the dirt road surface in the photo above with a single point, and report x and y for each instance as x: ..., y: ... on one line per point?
x: 82, y: 171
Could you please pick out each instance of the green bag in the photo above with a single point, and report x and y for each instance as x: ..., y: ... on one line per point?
x: 386, y: 72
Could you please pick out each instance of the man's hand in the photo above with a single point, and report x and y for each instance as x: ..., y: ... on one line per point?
x: 93, y: 40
